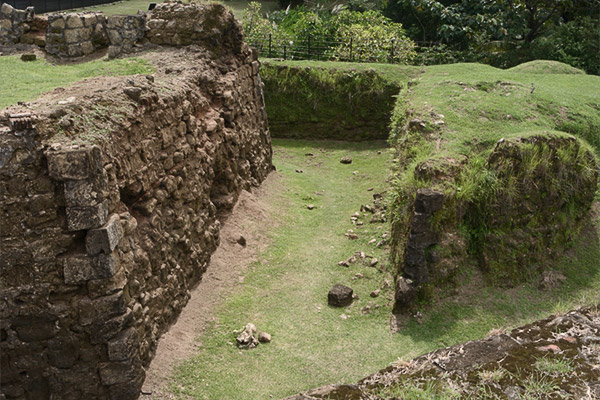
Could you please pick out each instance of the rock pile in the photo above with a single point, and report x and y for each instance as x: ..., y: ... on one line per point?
x: 247, y: 338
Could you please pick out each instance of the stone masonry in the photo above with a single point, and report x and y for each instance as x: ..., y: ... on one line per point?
x: 109, y: 212
x: 75, y: 35
x: 14, y: 23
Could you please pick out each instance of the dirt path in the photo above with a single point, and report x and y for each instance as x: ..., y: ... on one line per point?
x: 224, y: 273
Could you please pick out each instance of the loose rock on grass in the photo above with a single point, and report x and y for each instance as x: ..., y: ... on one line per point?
x: 340, y: 296
x: 346, y: 160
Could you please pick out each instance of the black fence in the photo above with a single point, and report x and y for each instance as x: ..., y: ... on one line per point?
x: 312, y: 48
x: 44, y: 6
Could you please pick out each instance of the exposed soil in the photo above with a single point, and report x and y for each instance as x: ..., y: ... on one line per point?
x: 226, y: 270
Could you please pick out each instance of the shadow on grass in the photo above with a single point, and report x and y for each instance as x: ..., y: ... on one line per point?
x: 327, y: 144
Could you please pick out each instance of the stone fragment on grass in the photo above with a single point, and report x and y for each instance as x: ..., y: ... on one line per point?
x: 246, y: 339
x: 264, y: 337
x: 405, y: 294
x: 310, y: 206
x: 339, y: 296
x: 346, y: 160
x: 551, y: 280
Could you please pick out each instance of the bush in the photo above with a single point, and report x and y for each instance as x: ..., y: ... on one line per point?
x: 339, y: 34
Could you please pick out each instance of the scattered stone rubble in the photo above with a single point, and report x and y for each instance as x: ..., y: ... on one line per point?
x: 501, y: 366
x: 247, y: 339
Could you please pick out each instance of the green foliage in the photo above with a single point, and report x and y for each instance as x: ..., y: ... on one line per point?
x: 502, y: 33
x: 338, y: 34
x: 374, y: 38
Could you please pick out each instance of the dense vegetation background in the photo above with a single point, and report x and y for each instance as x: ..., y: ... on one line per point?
x: 501, y: 33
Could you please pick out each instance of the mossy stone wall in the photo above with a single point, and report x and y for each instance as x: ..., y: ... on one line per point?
x: 319, y: 103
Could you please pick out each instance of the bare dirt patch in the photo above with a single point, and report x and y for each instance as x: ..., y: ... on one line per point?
x: 226, y: 270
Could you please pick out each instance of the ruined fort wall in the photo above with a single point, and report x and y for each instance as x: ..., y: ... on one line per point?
x: 110, y: 194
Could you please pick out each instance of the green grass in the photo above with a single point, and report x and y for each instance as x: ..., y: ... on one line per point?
x: 285, y: 293
x: 392, y: 72
x: 556, y: 366
x: 482, y: 104
x: 129, y: 7
x: 24, y: 81
x: 545, y: 67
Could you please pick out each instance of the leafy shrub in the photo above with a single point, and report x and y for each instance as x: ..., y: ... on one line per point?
x: 338, y: 34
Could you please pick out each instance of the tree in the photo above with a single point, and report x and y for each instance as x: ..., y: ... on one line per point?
x: 533, y: 14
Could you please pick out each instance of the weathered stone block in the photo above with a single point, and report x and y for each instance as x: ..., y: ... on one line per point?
x: 74, y: 163
x: 80, y: 218
x: 63, y: 353
x: 72, y: 36
x: 103, y: 331
x: 428, y: 201
x: 339, y: 296
x: 128, y: 390
x: 82, y: 193
x: 81, y: 269
x: 104, y: 239
x: 124, y: 346
x: 112, y: 373
x: 102, y: 287
x: 58, y: 23
x: 33, y: 329
x: 74, y: 21
x: 87, y: 47
x: 101, y: 308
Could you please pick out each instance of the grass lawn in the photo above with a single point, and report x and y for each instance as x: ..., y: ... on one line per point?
x: 133, y: 6
x: 24, y: 81
x: 285, y: 293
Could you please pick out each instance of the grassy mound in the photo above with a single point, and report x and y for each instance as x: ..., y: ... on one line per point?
x: 514, y: 156
x: 545, y: 67
x: 42, y: 76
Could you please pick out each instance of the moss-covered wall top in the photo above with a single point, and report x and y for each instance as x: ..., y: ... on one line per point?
x: 309, y: 102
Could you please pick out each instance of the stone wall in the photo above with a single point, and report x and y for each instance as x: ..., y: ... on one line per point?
x: 124, y: 32
x: 328, y: 103
x: 544, y: 188
x: 14, y: 23
x: 75, y: 35
x: 110, y: 197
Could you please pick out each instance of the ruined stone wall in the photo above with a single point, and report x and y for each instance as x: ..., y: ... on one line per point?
x: 110, y: 194
x: 14, y: 23
x: 124, y: 32
x: 75, y: 35
x: 545, y: 187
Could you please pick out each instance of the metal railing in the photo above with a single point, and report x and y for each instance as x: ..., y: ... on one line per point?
x: 314, y: 48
